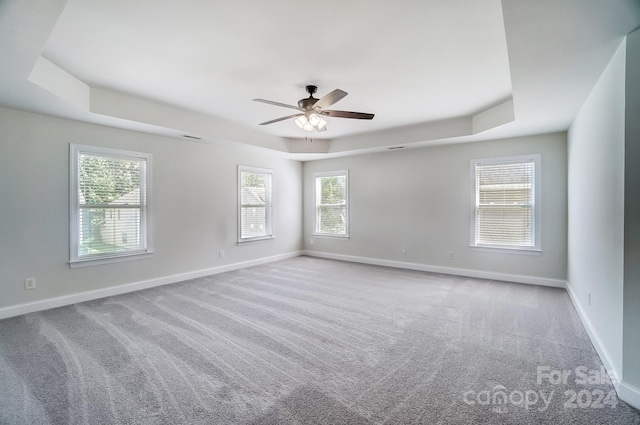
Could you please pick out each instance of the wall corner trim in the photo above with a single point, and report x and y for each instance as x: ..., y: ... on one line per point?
x: 31, y: 307
x: 479, y: 274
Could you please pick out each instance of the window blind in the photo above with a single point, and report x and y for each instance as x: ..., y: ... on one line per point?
x: 505, y: 195
x: 112, y: 205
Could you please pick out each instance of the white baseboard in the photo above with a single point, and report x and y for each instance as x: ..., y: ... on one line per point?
x: 480, y: 274
x: 629, y: 394
x: 613, y: 371
x: 16, y: 310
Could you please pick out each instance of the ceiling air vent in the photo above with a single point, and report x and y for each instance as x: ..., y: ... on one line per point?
x: 395, y: 147
x: 186, y: 136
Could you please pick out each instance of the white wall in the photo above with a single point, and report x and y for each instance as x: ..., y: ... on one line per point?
x: 596, y: 211
x: 631, y: 344
x: 194, y: 207
x: 420, y: 199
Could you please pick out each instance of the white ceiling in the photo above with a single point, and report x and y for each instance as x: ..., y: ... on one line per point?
x: 433, y: 71
x: 214, y: 57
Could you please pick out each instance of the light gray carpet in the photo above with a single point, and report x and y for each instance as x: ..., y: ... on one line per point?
x: 305, y: 341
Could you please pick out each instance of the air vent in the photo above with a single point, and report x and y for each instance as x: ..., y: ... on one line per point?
x: 186, y: 136
x: 395, y: 147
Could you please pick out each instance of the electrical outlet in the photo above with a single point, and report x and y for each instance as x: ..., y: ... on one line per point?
x: 403, y: 250
x: 30, y: 283
x: 311, y: 241
x: 450, y: 255
x: 221, y: 253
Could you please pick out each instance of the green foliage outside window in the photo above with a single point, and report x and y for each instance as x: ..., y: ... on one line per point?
x: 331, y: 209
x: 103, y: 180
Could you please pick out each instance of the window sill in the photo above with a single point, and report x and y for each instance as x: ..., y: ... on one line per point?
x: 326, y: 236
x: 88, y: 262
x: 254, y: 240
x: 507, y: 250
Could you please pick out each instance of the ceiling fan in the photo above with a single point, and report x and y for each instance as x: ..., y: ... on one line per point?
x: 311, y: 110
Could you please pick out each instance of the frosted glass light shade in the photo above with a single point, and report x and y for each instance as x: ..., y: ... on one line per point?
x: 301, y: 122
x: 314, y: 119
x: 313, y: 122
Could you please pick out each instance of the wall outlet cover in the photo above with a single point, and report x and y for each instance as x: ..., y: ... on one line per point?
x: 30, y: 283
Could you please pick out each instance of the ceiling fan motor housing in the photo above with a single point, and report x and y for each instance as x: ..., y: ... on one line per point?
x: 307, y: 103
x: 310, y: 101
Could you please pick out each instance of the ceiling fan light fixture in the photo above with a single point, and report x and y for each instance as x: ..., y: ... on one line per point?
x: 310, y: 110
x: 314, y: 119
x: 301, y: 121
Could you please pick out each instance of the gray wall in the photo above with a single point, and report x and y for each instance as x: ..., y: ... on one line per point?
x: 596, y: 210
x: 420, y: 199
x: 194, y: 206
x: 631, y: 345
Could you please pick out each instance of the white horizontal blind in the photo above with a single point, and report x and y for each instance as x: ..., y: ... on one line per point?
x: 505, y: 197
x: 112, y: 205
x: 255, y: 204
x: 331, y: 204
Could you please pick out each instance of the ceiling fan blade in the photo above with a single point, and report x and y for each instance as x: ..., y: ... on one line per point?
x: 330, y: 99
x: 284, y: 105
x: 348, y: 114
x: 280, y: 119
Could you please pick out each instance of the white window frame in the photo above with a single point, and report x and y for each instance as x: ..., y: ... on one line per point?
x: 269, y: 210
x: 316, y: 201
x: 536, y: 249
x: 74, y: 211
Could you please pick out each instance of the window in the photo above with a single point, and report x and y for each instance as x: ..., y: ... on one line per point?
x: 255, y: 211
x: 109, y: 205
x: 505, y: 202
x: 331, y: 198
